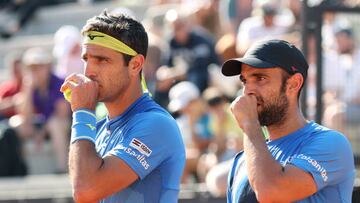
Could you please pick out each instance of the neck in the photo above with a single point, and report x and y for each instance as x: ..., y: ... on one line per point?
x: 293, y: 122
x: 124, y: 101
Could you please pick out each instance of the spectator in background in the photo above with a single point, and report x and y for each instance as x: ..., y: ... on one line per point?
x: 295, y: 7
x: 332, y: 22
x: 67, y: 51
x: 19, y: 12
x: 11, y: 156
x: 157, y: 55
x: 9, y: 89
x: 267, y: 23
x: 237, y: 11
x: 227, y: 137
x: 194, y: 47
x: 345, y: 110
x: 207, y: 16
x: 194, y: 124
x: 44, y: 110
x: 227, y: 140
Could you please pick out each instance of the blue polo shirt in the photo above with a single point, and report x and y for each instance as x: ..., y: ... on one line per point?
x: 147, y: 138
x: 324, y: 153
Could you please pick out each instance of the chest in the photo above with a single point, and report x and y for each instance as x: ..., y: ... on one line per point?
x: 108, y: 139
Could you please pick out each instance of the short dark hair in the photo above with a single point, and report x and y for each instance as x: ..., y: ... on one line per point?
x: 124, y: 28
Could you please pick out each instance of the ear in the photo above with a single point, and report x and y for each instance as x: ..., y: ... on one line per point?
x: 136, y: 64
x: 294, y: 83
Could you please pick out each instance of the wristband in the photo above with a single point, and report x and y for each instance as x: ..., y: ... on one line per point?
x: 84, y: 126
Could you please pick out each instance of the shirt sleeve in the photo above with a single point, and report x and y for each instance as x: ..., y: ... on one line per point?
x: 149, y: 140
x: 327, y: 157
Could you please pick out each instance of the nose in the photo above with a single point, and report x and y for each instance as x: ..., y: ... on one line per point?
x: 89, y: 70
x: 249, y: 89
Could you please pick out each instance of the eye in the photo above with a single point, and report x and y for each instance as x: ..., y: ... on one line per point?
x: 243, y: 80
x: 84, y: 58
x: 260, y: 78
x: 102, y: 59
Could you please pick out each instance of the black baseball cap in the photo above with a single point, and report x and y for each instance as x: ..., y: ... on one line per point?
x: 269, y: 54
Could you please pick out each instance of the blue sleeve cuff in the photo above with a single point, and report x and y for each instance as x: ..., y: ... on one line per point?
x: 84, y: 126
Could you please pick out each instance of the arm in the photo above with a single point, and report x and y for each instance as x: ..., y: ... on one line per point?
x: 271, y: 182
x: 92, y: 176
x: 267, y: 176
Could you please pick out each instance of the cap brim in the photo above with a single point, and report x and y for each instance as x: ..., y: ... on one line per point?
x: 233, y: 66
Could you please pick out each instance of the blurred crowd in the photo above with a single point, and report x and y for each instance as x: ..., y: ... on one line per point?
x: 188, y: 42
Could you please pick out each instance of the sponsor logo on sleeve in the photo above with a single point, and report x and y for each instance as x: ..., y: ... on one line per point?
x: 140, y: 157
x: 316, y: 165
x: 141, y: 147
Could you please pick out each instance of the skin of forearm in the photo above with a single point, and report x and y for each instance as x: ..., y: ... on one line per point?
x: 263, y: 169
x: 83, y: 164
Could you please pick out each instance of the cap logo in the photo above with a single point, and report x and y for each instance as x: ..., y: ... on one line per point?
x: 294, y: 69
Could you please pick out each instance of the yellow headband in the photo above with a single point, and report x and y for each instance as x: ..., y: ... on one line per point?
x: 102, y: 39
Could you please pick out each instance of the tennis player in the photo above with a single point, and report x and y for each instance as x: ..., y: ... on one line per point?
x: 302, y: 161
x: 136, y: 153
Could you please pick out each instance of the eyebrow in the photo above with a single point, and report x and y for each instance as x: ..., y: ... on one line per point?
x: 258, y: 74
x: 253, y: 75
x: 95, y: 56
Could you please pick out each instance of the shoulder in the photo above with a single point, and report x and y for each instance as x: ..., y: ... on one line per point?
x: 324, y: 142
x: 154, y: 122
x: 158, y: 130
x: 324, y: 135
x: 153, y: 118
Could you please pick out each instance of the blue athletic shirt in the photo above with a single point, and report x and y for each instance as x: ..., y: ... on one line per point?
x: 324, y: 153
x: 147, y: 138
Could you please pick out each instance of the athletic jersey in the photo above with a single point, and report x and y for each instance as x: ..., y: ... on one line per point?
x: 324, y: 153
x: 147, y: 138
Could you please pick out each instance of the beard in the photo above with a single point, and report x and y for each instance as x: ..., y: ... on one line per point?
x: 274, y: 111
x: 114, y: 89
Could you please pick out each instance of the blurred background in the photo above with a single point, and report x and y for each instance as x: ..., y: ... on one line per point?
x: 40, y: 44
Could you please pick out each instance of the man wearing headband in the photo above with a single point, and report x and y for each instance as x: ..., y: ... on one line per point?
x: 136, y: 153
x: 302, y: 161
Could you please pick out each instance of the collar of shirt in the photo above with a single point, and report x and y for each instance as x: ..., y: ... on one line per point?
x: 133, y: 109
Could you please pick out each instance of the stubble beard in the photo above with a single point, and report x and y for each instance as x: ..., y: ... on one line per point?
x: 274, y: 111
x: 114, y: 94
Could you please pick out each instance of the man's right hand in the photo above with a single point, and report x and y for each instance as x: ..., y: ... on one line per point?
x: 244, y: 108
x: 84, y: 91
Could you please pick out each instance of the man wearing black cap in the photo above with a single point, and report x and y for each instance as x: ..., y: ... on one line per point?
x: 302, y: 161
